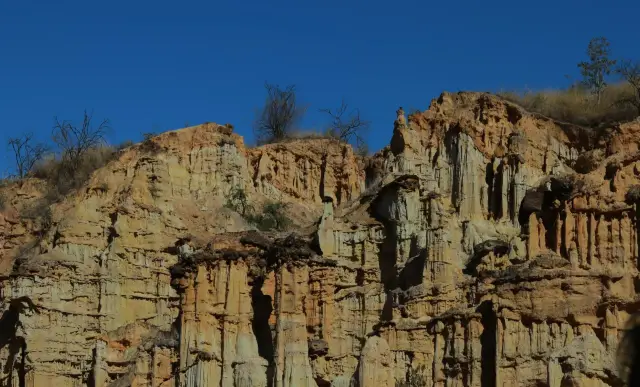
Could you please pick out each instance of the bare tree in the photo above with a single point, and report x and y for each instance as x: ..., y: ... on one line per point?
x: 26, y: 153
x: 75, y: 141
x: 630, y: 72
x: 598, y: 66
x: 347, y: 125
x: 279, y: 115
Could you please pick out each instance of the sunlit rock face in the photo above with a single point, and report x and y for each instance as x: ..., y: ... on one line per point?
x: 485, y: 246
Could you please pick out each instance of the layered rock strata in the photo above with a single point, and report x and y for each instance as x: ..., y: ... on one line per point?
x: 485, y: 246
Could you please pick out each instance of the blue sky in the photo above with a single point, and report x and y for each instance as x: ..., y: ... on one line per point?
x: 154, y: 66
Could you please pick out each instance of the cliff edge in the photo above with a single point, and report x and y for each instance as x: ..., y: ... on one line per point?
x: 485, y: 246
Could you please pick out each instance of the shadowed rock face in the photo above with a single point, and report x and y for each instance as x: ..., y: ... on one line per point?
x: 484, y: 247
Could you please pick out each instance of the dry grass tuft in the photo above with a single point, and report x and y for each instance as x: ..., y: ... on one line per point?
x: 63, y: 177
x: 577, y: 106
x: 301, y: 135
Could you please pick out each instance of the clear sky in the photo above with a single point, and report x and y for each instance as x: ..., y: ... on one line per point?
x: 154, y: 66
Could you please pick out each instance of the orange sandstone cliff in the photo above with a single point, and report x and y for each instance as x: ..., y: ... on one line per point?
x: 485, y: 246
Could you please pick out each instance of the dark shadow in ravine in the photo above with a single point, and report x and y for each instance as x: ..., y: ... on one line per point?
x: 9, y: 324
x: 262, y: 309
x: 488, y: 340
x: 412, y: 273
x: 628, y: 356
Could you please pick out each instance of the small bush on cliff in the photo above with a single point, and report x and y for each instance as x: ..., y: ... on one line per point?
x: 64, y: 177
x: 272, y: 215
x: 3, y: 201
x: 279, y: 116
x: 415, y: 378
x: 238, y: 201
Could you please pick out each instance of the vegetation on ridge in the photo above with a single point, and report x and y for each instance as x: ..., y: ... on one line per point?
x: 79, y: 151
x: 76, y: 151
x: 272, y: 215
x: 279, y: 119
x: 575, y: 104
x: 592, y: 102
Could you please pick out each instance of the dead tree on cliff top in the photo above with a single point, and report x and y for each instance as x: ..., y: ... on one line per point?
x: 347, y: 125
x: 279, y: 115
x: 75, y: 142
x: 26, y: 153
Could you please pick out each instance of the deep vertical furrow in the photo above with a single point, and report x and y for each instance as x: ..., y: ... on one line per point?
x: 488, y: 340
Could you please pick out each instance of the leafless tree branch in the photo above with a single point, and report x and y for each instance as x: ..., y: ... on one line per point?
x: 279, y: 114
x: 74, y: 141
x: 26, y: 153
x: 347, y: 125
x: 630, y: 72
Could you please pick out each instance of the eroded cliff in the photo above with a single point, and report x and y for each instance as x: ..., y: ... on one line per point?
x: 485, y: 246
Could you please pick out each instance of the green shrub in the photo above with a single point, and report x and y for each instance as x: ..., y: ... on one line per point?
x: 238, y: 201
x: 272, y: 215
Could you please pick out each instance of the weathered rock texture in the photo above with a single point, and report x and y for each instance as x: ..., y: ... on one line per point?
x: 485, y: 246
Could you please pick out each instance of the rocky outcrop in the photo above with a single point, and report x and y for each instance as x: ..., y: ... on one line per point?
x: 307, y: 170
x: 485, y: 246
x: 100, y: 260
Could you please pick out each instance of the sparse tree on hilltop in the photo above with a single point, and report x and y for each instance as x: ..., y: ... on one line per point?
x: 75, y: 141
x: 26, y: 153
x: 630, y: 72
x: 347, y: 125
x: 598, y: 67
x: 280, y: 114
